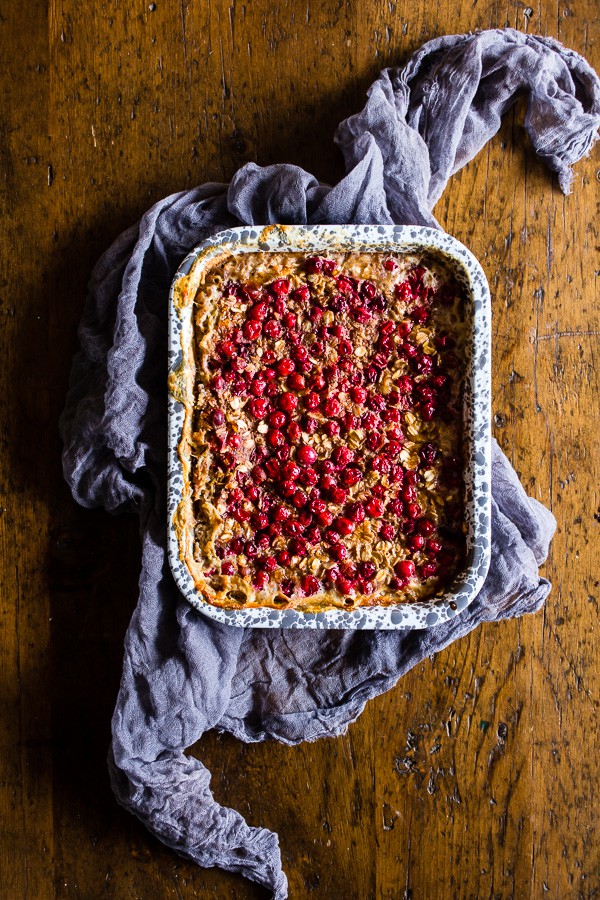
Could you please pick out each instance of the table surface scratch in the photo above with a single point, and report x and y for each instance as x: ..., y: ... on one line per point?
x: 474, y: 778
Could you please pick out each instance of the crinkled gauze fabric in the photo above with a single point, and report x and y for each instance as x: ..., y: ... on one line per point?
x: 182, y: 672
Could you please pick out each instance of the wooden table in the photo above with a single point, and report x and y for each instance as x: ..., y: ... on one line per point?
x: 474, y: 778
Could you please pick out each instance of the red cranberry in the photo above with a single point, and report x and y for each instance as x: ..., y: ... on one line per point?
x: 381, y: 464
x: 361, y: 314
x: 369, y: 421
x: 395, y: 433
x: 277, y: 419
x: 279, y: 306
x: 425, y: 527
x: 261, y: 580
x: 387, y: 532
x: 280, y: 513
x: 226, y: 348
x: 433, y: 547
x: 312, y: 400
x: 290, y: 321
x: 271, y: 389
x: 302, y: 293
x: 391, y: 415
x: 251, y: 329
x: 283, y: 558
x: 344, y: 526
x: 358, y: 394
x: 308, y: 476
x: 404, y: 328
x: 375, y: 508
x: 258, y: 409
x: 309, y: 585
x: 309, y: 424
x: 269, y: 563
x: 392, y: 448
x: 217, y: 383
x: 275, y: 437
x: 313, y: 535
x: 296, y: 382
x: 339, y: 552
x: 258, y: 312
x: 428, y: 412
x: 374, y: 440
x: 419, y: 314
x: 404, y: 384
x: 428, y: 454
x: 396, y: 507
x: 288, y: 402
x: 314, y: 265
x: 287, y: 488
x: 285, y: 367
x: 356, y: 512
x: 258, y: 475
x: 272, y: 329
x: 280, y: 286
x: 412, y: 510
x: 405, y: 569
x: 236, y: 546
x: 349, y: 422
x: 343, y: 456
x: 338, y: 495
x: 376, y: 402
x: 218, y: 417
x: 324, y: 518
x: 351, y: 476
x: 318, y: 382
x: 290, y: 471
x: 294, y: 432
x: 415, y: 542
x: 344, y: 285
x: 331, y: 407
x: 272, y: 467
x: 299, y: 499
x: 227, y: 568
x: 298, y: 547
x: 429, y: 569
x: 407, y: 350
x: 259, y: 521
x: 390, y: 265
x: 345, y: 585
x: 305, y: 455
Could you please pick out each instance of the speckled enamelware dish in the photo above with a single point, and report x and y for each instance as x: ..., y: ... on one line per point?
x: 328, y: 239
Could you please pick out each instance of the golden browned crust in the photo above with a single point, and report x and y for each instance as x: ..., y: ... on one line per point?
x: 218, y: 459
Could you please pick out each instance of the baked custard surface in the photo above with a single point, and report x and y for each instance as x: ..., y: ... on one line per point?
x: 325, y: 440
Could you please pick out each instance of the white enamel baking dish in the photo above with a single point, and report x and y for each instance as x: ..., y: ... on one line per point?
x: 324, y: 240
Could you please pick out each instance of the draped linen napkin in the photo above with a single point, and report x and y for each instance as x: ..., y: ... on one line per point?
x: 184, y: 673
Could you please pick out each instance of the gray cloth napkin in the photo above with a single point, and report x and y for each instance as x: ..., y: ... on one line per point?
x: 182, y: 672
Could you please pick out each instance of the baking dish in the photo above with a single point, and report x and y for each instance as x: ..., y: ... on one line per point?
x: 476, y: 414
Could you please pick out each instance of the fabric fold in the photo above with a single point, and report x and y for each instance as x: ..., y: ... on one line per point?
x: 184, y: 673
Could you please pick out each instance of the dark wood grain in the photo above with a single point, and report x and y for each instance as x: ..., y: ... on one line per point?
x: 475, y: 777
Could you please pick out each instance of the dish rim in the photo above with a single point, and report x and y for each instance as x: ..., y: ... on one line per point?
x: 324, y: 239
